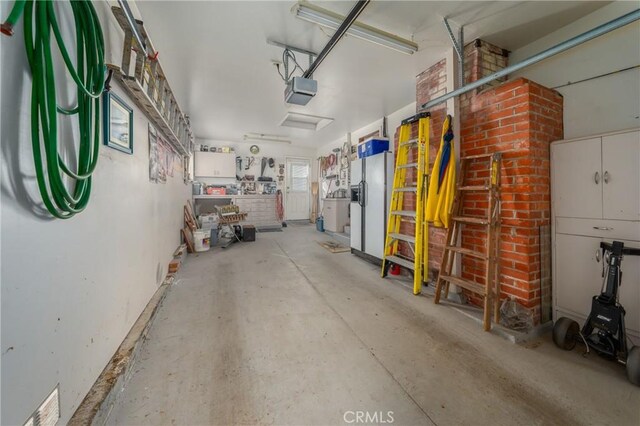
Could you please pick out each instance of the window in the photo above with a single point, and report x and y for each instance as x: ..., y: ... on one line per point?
x: 299, y: 177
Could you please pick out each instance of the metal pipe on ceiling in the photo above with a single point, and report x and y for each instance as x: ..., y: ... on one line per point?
x: 559, y: 48
x: 340, y: 32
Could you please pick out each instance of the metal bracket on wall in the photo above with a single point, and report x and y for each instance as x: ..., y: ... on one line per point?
x: 458, y: 46
x: 310, y: 54
x: 147, y: 85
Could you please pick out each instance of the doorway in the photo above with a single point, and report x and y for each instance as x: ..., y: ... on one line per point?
x: 297, y: 188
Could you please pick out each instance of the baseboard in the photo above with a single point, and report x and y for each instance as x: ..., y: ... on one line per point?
x: 97, y: 404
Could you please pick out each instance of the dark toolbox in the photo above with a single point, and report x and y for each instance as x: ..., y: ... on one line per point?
x: 249, y: 233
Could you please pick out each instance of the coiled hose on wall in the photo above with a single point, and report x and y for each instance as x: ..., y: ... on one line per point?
x: 52, y: 172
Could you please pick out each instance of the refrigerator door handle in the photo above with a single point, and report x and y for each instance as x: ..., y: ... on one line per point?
x: 361, y: 193
x: 364, y: 192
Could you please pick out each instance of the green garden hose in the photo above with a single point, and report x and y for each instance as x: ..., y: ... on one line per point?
x: 52, y: 173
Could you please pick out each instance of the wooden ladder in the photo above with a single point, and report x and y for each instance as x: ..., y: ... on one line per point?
x: 490, y: 291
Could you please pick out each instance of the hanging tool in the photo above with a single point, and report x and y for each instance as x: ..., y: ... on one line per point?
x: 250, y: 161
x: 410, y: 177
x: 263, y: 166
x: 489, y: 290
x: 336, y: 152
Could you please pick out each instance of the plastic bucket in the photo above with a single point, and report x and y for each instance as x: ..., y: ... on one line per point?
x: 201, y: 239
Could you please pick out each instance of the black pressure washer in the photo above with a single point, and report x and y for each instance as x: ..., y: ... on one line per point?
x: 604, y: 331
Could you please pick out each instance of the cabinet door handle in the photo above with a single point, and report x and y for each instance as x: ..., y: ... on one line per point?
x: 603, y: 228
x: 605, y: 177
x: 596, y: 178
x: 598, y: 255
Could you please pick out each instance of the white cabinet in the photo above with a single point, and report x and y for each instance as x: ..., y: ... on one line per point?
x: 595, y: 190
x: 597, y: 177
x: 579, y: 277
x: 577, y: 165
x: 621, y: 176
x: 214, y: 164
x: 336, y: 213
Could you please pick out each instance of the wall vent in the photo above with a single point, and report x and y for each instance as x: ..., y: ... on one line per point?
x: 48, y: 413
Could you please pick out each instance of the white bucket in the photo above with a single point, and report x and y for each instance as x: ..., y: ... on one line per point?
x: 201, y: 238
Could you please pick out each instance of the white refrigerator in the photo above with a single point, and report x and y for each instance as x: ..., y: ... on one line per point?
x: 371, y: 185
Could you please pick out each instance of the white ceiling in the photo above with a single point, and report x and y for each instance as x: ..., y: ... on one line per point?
x: 220, y: 67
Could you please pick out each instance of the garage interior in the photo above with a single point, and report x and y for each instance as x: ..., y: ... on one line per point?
x: 320, y: 212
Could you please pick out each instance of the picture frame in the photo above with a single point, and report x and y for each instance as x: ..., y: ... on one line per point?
x: 117, y: 123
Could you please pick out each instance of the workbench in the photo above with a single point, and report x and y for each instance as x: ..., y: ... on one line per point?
x: 260, y: 208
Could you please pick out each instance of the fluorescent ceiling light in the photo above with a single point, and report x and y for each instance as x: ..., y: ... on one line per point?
x: 326, y: 18
x: 305, y: 121
x: 261, y: 137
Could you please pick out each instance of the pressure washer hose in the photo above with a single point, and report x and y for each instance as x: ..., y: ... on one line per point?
x: 89, y: 75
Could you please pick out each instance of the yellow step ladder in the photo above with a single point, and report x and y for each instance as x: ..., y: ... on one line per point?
x: 409, y: 182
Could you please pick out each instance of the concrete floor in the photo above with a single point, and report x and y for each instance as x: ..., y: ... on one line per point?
x: 280, y: 331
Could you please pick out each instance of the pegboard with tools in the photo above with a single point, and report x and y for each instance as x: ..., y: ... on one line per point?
x: 334, y: 172
x: 259, y: 175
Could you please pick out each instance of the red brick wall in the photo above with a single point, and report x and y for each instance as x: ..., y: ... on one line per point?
x: 519, y: 118
x: 431, y: 83
x: 483, y: 59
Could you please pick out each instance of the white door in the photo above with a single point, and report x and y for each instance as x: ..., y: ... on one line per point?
x: 579, y: 277
x: 297, y: 191
x: 621, y: 176
x: 578, y: 272
x: 577, y: 178
x: 375, y: 200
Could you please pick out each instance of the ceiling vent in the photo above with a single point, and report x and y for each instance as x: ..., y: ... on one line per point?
x: 305, y: 121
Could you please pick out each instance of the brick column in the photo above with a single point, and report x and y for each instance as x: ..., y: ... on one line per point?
x: 519, y: 118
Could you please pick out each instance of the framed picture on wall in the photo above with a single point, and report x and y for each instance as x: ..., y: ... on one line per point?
x: 117, y: 123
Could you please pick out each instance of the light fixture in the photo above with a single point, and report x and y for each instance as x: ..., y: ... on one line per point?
x: 261, y: 137
x: 326, y: 18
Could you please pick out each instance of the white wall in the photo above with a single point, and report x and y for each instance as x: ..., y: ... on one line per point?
x: 71, y: 289
x: 601, y: 105
x: 393, y: 122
